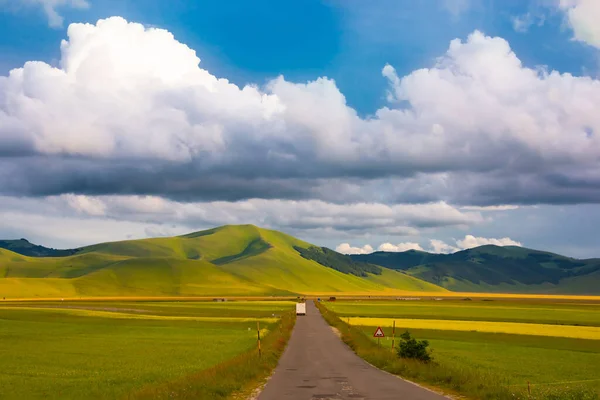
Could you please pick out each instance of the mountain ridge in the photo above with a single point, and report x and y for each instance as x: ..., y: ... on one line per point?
x: 268, y: 261
x: 229, y: 260
x: 496, y: 269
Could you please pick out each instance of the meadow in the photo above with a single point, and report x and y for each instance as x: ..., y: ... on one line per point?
x: 502, y: 344
x: 123, y: 349
x: 542, y: 311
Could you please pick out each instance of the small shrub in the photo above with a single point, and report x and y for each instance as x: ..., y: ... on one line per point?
x: 410, y: 347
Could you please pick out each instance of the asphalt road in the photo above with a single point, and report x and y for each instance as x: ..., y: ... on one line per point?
x: 318, y: 365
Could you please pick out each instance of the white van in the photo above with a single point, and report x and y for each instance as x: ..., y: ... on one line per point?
x: 300, y: 308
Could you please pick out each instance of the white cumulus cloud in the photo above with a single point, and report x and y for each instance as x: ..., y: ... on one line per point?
x: 439, y: 246
x: 400, y: 247
x: 522, y: 23
x: 346, y: 248
x: 86, y: 205
x: 435, y: 245
x: 471, y: 241
x: 583, y: 17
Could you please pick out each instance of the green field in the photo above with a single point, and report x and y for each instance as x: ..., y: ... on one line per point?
x: 127, y: 327
x: 75, y: 350
x: 538, y: 312
x: 227, y: 261
x: 537, y: 349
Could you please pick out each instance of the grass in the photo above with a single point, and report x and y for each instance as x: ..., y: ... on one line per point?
x: 390, y: 295
x: 234, y: 378
x: 479, y: 364
x: 254, y: 309
x: 74, y: 350
x: 134, y: 277
x: 282, y: 266
x: 501, y: 311
x: 580, y: 332
x: 135, y: 315
x: 401, y: 282
x: 517, y: 358
x: 255, y: 248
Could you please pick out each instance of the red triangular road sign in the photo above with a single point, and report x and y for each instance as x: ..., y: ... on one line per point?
x: 379, y: 332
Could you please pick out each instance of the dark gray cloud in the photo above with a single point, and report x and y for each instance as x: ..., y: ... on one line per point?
x: 526, y: 189
x: 50, y: 175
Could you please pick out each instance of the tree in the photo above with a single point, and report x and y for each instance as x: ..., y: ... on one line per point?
x: 410, y: 347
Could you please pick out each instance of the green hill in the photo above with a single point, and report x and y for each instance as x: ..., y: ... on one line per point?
x: 230, y: 260
x: 491, y: 268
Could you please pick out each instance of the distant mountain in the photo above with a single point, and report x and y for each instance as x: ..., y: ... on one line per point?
x: 244, y: 260
x: 496, y: 269
x: 24, y: 247
x: 239, y: 260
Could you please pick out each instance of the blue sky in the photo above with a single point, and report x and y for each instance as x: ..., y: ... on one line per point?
x: 349, y: 42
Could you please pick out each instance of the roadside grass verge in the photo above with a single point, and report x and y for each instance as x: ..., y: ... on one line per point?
x: 455, y: 379
x: 234, y: 378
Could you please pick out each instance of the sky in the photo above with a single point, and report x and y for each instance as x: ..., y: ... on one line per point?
x: 437, y: 125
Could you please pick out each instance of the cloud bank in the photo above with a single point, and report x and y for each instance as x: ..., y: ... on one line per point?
x: 471, y: 241
x: 435, y: 245
x: 129, y: 111
x: 144, y: 216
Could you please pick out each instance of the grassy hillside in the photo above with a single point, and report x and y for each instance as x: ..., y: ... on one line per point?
x: 490, y: 268
x: 337, y: 261
x: 230, y: 260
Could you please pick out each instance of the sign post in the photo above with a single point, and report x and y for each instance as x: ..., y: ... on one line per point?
x: 258, y: 332
x: 378, y: 334
x: 393, y: 334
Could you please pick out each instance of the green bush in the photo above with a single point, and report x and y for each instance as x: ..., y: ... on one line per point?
x: 410, y: 347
